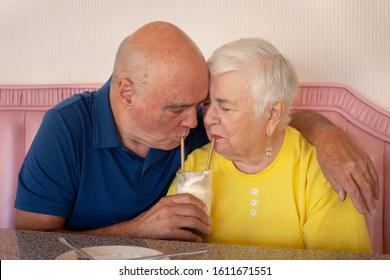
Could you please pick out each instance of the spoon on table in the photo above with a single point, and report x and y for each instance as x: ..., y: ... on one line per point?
x: 79, y: 251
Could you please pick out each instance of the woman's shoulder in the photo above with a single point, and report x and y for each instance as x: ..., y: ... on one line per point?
x: 197, y: 159
x: 202, y: 150
x: 294, y: 136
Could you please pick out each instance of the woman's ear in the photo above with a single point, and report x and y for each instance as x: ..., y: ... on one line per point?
x: 276, y: 111
x: 126, y: 91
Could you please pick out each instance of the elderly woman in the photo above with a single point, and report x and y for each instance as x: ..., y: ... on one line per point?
x: 268, y: 187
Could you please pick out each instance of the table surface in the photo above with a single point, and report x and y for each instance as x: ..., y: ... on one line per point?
x: 36, y: 245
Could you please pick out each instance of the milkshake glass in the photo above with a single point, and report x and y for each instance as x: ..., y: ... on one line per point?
x: 197, y: 183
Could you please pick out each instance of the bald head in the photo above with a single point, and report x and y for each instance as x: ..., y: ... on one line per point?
x: 156, y: 49
x: 160, y: 77
x: 164, y: 38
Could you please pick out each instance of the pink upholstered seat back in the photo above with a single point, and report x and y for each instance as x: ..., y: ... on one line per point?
x: 21, y: 112
x: 17, y: 129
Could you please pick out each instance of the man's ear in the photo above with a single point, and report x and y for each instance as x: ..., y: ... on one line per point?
x: 125, y: 91
x: 276, y: 111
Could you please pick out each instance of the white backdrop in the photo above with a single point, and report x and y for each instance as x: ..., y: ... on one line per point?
x: 74, y: 41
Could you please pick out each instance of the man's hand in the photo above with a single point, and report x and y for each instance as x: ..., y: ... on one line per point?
x: 181, y: 217
x: 347, y: 167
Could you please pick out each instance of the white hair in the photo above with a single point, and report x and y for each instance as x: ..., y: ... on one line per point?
x: 270, y: 76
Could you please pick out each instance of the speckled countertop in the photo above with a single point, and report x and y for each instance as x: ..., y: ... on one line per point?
x: 25, y: 245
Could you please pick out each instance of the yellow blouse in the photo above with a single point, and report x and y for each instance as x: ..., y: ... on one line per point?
x: 289, y: 204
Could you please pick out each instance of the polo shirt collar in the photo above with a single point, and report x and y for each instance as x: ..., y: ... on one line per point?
x: 104, y: 128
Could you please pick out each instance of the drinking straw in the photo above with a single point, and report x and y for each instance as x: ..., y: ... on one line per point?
x: 182, y: 153
x: 210, y: 153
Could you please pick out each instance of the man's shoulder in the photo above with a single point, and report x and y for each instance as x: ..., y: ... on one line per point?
x: 72, y: 115
x: 74, y: 109
x: 80, y: 99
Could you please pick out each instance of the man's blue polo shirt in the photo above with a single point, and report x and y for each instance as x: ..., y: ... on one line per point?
x: 77, y: 168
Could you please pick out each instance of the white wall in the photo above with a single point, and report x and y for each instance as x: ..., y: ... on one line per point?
x: 74, y: 41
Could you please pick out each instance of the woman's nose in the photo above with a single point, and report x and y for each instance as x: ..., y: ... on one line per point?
x: 209, y: 115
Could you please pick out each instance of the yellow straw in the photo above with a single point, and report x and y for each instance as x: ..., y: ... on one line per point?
x: 210, y: 153
x: 182, y: 153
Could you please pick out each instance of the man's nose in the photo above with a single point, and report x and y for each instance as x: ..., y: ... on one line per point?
x: 190, y: 119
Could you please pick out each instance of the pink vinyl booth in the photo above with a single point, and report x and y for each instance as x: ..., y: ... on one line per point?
x: 22, y: 109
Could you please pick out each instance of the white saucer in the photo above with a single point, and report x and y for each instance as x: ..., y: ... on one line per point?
x: 113, y: 253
